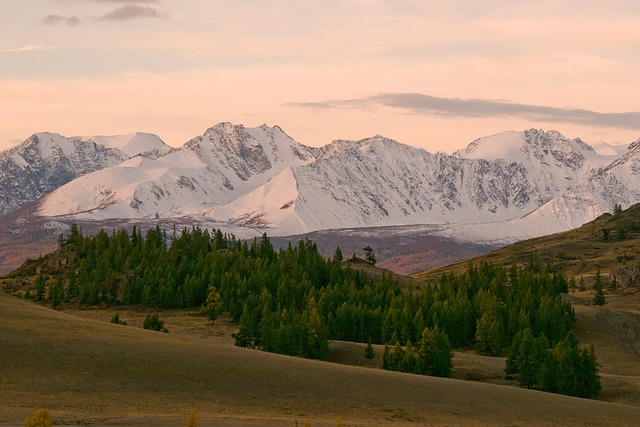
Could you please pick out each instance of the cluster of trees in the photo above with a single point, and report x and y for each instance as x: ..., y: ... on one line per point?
x: 562, y: 368
x: 433, y: 355
x: 293, y: 300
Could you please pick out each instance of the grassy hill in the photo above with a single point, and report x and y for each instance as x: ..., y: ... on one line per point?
x: 96, y: 373
x: 606, y: 243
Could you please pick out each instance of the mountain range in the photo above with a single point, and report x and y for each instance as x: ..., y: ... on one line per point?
x: 499, y: 189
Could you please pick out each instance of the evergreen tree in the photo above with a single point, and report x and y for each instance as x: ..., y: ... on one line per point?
x: 369, y: 256
x: 489, y: 335
x: 387, y: 359
x: 369, y: 353
x: 118, y: 321
x: 598, y: 298
x: 337, y: 256
x: 153, y: 322
x: 582, y: 286
x: 40, y: 288
x: 435, y: 352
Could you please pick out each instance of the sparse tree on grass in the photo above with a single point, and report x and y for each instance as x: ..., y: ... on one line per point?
x: 153, y: 322
x: 40, y: 418
x: 598, y: 298
x: 117, y: 320
x: 369, y: 353
x: 582, y: 286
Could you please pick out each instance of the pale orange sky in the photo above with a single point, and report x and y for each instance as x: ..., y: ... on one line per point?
x: 430, y: 74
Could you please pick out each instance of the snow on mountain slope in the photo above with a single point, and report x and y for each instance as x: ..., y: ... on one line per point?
x: 499, y: 189
x: 46, y: 161
x: 377, y: 181
x: 222, y: 164
x: 619, y: 182
x: 132, y: 144
x: 605, y: 149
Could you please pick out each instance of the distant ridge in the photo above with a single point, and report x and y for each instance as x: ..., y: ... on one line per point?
x: 610, y: 243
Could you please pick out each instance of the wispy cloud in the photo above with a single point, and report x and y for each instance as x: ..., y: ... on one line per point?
x: 132, y: 11
x: 478, y: 108
x: 26, y: 48
x: 71, y: 21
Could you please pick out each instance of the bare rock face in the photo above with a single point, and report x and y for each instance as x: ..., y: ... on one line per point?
x: 46, y: 161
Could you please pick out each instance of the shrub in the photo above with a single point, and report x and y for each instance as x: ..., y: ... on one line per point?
x: 153, y: 322
x: 40, y: 418
x: 192, y: 420
x: 117, y: 320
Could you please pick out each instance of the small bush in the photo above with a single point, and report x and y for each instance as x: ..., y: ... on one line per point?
x: 153, y: 322
x: 192, y: 420
x: 117, y: 320
x: 40, y: 418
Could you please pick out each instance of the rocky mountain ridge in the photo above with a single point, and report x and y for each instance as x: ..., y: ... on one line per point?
x: 501, y: 188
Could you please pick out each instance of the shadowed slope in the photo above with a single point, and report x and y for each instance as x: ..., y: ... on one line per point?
x: 87, y: 370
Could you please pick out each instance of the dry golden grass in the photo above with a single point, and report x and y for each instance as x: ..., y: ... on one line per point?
x: 578, y: 252
x: 96, y: 373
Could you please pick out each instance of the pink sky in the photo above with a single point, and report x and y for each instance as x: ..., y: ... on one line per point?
x: 430, y: 74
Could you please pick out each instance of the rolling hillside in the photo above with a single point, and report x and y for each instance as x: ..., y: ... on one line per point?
x: 607, y: 243
x: 96, y: 373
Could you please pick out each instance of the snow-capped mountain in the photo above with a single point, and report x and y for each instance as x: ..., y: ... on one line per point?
x: 132, y: 144
x: 46, y: 161
x: 605, y: 149
x: 500, y: 188
x: 217, y: 167
x: 529, y: 182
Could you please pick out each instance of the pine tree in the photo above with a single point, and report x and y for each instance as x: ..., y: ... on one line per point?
x: 337, y: 256
x: 369, y: 353
x: 489, y: 335
x: 369, y: 256
x: 582, y: 286
x: 435, y: 351
x: 40, y: 288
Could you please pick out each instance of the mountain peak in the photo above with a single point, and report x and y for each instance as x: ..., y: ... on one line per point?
x: 131, y: 144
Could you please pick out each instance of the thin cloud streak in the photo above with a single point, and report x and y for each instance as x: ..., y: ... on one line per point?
x: 71, y: 21
x: 480, y: 108
x: 132, y: 11
x: 26, y: 48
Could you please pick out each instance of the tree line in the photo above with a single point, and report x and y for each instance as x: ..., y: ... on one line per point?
x: 293, y: 300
